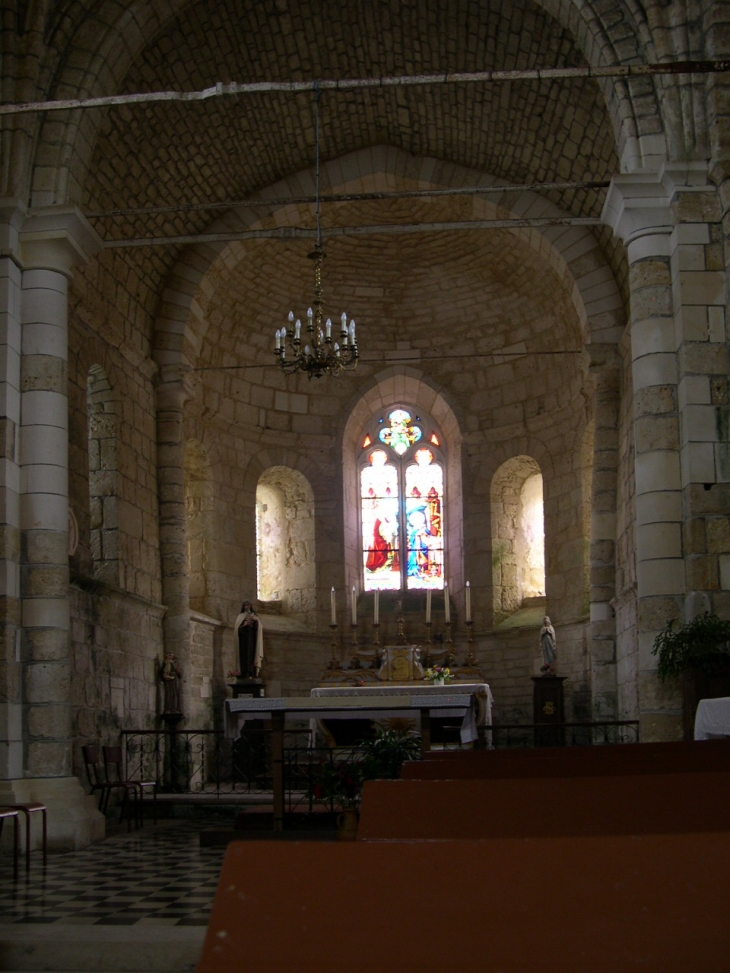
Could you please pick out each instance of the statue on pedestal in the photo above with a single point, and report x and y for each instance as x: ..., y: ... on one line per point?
x: 249, y: 636
x: 170, y: 674
x: 548, y: 647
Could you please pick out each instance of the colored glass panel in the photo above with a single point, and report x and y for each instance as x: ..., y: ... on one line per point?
x: 400, y: 434
x: 379, y: 507
x: 424, y: 522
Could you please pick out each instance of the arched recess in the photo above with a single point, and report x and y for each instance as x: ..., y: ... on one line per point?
x: 199, y: 521
x: 103, y: 474
x: 518, y: 535
x: 285, y: 541
x: 572, y: 251
x: 394, y: 386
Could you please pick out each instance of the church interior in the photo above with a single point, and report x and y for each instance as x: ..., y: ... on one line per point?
x: 517, y: 215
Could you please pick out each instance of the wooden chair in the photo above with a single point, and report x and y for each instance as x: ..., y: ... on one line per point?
x: 11, y: 812
x: 113, y: 770
x: 101, y: 784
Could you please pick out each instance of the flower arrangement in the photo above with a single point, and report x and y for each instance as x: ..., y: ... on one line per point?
x: 438, y: 674
x: 233, y: 674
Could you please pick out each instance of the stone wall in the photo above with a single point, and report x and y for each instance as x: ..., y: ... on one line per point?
x: 116, y: 651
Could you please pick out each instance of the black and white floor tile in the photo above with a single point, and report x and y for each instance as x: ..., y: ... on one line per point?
x: 158, y: 875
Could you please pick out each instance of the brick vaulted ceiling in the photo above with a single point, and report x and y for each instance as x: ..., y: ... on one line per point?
x: 178, y: 156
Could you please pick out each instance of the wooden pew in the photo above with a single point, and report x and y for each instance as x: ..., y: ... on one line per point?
x: 633, y: 758
x: 549, y: 905
x: 545, y: 807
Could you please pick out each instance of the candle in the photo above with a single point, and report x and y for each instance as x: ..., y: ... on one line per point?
x: 354, y: 606
x: 376, y: 608
x: 333, y: 608
x: 468, y: 602
x: 428, y: 606
x: 447, y: 607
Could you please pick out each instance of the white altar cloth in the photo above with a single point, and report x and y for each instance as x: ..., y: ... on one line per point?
x: 237, y: 711
x: 712, y: 718
x: 480, y: 690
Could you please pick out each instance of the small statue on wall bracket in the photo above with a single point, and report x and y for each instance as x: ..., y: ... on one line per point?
x: 171, y: 676
x: 548, y: 646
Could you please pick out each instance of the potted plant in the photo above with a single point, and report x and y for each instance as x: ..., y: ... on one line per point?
x: 383, y: 756
x: 698, y: 653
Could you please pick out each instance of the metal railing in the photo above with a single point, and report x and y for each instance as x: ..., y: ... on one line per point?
x: 206, y: 762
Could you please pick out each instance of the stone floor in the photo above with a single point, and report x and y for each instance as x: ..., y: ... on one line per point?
x: 134, y: 903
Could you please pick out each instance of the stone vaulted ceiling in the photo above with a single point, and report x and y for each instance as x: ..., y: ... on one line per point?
x: 176, y: 158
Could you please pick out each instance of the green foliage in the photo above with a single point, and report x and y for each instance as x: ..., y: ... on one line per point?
x: 337, y: 780
x: 383, y: 757
x: 703, y: 643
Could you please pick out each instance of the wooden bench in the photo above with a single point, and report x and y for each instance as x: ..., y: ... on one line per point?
x: 632, y: 758
x: 545, y: 807
x: 555, y: 905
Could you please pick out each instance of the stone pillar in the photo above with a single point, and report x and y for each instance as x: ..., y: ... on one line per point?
x: 605, y: 373
x: 173, y: 391
x: 49, y: 244
x: 12, y: 217
x: 678, y: 350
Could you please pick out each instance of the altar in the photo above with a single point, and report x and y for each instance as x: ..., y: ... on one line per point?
x: 473, y: 720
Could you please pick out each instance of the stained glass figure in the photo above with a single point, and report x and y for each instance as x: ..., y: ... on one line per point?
x: 400, y: 434
x: 424, y: 523
x: 380, y: 522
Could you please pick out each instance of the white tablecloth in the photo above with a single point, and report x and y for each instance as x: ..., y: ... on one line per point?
x: 713, y: 718
x: 402, y: 704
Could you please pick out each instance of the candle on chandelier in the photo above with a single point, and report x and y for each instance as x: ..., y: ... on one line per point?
x: 468, y: 602
x: 376, y: 608
x: 333, y: 608
x: 353, y: 605
x: 428, y: 606
x: 447, y: 607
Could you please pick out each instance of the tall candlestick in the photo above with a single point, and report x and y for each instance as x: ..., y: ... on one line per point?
x: 333, y: 608
x: 468, y: 602
x: 428, y: 606
x: 376, y: 608
x: 447, y: 607
x: 354, y: 606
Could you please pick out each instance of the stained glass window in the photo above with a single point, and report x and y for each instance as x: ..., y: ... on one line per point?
x: 401, y: 502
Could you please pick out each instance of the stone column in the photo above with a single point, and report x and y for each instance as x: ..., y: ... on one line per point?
x: 173, y: 391
x: 49, y: 244
x: 678, y: 350
x: 605, y: 373
x: 12, y: 217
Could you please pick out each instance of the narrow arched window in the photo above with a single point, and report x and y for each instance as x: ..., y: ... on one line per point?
x: 401, y: 475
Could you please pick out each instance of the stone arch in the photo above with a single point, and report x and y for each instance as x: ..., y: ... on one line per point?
x: 285, y: 541
x: 572, y: 251
x: 518, y: 550
x: 392, y: 386
x: 200, y: 525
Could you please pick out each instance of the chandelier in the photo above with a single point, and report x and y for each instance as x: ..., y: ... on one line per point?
x: 321, y: 353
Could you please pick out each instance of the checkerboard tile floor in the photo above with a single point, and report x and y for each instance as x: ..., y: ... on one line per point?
x: 155, y: 876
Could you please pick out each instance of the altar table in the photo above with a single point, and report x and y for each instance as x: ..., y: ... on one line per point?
x: 713, y: 718
x: 278, y: 709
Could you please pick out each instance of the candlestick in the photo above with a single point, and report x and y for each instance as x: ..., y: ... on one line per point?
x: 333, y: 608
x: 334, y: 662
x: 353, y: 604
x: 375, y: 664
x: 447, y: 607
x: 468, y: 602
x: 376, y: 608
x: 428, y: 606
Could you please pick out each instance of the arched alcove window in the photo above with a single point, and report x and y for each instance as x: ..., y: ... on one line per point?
x: 285, y: 551
x: 401, y: 476
x: 518, y: 535
x: 102, y: 439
